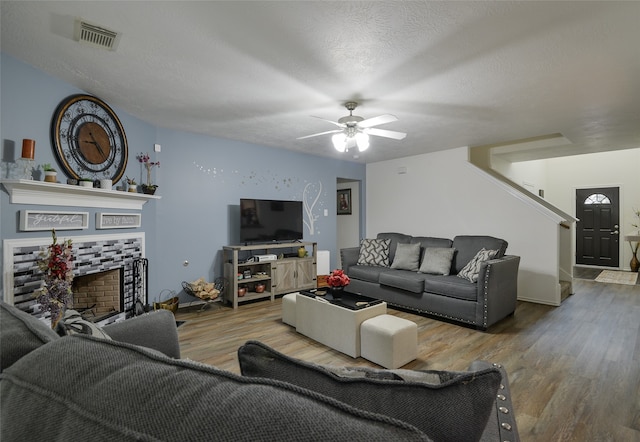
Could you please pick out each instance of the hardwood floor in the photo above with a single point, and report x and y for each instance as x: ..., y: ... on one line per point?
x: 574, y: 370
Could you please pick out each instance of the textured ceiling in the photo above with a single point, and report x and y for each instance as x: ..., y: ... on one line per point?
x: 454, y: 73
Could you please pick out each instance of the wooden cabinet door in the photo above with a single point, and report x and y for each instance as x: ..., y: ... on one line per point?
x: 283, y: 278
x: 305, y: 274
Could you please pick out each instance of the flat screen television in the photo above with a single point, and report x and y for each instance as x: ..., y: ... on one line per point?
x: 264, y: 221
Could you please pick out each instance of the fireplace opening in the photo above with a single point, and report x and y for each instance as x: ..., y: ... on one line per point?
x: 99, y: 296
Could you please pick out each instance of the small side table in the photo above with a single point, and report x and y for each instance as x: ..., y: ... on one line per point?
x: 634, y: 251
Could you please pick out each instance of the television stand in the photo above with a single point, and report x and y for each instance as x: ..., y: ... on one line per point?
x: 266, y: 279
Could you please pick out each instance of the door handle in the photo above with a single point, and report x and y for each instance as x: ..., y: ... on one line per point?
x: 615, y: 232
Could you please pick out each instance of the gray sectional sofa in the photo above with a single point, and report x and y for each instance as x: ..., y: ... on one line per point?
x: 134, y: 387
x: 431, y: 282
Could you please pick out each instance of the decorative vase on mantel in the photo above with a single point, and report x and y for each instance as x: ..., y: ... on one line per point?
x: 149, y: 189
x: 51, y: 176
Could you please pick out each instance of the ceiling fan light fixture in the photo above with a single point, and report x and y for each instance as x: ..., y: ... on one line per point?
x: 355, y: 131
x: 362, y: 140
x: 339, y: 141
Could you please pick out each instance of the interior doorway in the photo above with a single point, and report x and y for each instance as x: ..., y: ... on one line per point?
x: 598, y: 228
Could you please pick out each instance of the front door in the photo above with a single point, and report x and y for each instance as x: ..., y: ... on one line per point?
x: 598, y: 230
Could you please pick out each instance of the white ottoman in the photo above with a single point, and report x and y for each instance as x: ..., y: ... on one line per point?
x: 389, y: 341
x: 289, y: 309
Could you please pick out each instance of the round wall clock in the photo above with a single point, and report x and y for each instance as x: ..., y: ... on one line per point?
x: 88, y: 139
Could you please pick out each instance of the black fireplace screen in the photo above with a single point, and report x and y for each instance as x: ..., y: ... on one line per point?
x: 140, y: 287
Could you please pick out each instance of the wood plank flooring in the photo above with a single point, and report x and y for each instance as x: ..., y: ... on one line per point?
x: 574, y: 370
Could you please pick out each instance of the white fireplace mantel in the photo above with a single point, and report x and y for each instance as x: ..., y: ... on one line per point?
x: 54, y: 194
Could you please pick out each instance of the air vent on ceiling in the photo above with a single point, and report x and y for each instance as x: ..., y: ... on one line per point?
x: 96, y: 35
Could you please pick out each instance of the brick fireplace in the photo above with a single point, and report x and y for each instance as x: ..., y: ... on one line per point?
x: 100, y: 293
x: 104, y: 262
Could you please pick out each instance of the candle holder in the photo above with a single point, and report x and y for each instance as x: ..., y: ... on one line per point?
x: 24, y: 169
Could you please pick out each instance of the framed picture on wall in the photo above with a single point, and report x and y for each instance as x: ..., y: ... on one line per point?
x: 344, y: 202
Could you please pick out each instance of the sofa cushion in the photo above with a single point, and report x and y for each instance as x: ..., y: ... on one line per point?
x: 20, y: 334
x: 403, y: 280
x: 451, y: 286
x: 428, y: 241
x: 368, y: 273
x: 407, y: 257
x: 445, y: 405
x: 472, y: 269
x: 374, y: 252
x: 468, y: 245
x: 395, y: 239
x: 84, y: 388
x: 437, y: 260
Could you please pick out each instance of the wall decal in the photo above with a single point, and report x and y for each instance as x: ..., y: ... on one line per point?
x: 309, y: 202
x: 312, y: 196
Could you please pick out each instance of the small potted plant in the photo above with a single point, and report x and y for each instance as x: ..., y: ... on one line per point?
x: 85, y: 182
x: 50, y: 174
x: 131, y: 183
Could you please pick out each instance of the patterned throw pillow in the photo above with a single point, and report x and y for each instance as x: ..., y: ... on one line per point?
x: 374, y: 252
x: 472, y: 269
x: 72, y: 323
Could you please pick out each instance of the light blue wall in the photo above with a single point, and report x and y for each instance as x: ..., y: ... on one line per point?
x: 201, y: 180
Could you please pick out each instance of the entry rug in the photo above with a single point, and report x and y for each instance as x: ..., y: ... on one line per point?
x: 612, y: 276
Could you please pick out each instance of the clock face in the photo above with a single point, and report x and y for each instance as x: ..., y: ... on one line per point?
x: 88, y: 139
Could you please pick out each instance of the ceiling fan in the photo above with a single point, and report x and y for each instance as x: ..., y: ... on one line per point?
x: 355, y: 130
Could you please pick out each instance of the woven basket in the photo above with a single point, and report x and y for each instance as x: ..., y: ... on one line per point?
x: 169, y: 304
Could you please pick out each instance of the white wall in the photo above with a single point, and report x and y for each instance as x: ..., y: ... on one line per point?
x: 443, y: 195
x: 530, y: 174
x: 348, y: 226
x: 562, y: 176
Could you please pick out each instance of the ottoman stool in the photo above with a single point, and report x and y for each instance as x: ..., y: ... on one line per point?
x: 389, y: 341
x: 289, y: 309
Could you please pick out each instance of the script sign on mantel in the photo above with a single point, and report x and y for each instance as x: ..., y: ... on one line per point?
x: 118, y: 220
x: 31, y: 220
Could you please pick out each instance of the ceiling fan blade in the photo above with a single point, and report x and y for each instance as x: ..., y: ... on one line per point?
x: 329, y: 121
x: 386, y: 133
x: 320, y: 133
x: 376, y: 121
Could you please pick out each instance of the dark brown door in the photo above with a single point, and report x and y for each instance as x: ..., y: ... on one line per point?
x: 598, y: 230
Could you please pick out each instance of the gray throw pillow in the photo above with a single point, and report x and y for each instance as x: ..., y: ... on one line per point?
x: 472, y: 269
x: 72, y: 324
x: 374, y: 252
x: 437, y: 260
x: 445, y: 405
x: 407, y: 257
